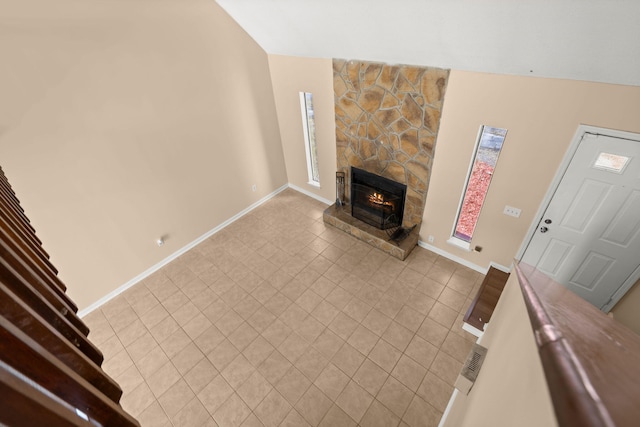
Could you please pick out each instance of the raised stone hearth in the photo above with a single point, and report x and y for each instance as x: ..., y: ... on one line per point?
x: 340, y: 217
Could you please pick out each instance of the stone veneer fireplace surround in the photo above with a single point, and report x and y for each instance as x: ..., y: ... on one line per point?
x: 387, y: 120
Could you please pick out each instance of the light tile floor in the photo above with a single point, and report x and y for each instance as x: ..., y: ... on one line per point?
x: 279, y: 320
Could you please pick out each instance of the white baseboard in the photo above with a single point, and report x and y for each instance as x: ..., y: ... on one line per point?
x: 167, y: 260
x: 472, y: 330
x: 454, y: 395
x: 191, y: 245
x: 453, y: 257
x: 310, y: 194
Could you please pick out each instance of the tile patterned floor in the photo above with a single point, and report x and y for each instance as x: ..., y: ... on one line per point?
x: 278, y: 320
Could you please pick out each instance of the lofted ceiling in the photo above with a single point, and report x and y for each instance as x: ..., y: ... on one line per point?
x: 592, y: 40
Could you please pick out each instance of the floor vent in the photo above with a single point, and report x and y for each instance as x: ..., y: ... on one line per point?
x: 471, y: 368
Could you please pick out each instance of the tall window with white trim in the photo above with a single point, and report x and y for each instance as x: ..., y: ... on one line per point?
x: 309, y: 127
x: 483, y: 163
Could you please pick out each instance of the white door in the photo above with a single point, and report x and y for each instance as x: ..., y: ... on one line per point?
x: 588, y: 238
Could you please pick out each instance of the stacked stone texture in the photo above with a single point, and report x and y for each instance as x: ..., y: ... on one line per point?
x: 387, y: 119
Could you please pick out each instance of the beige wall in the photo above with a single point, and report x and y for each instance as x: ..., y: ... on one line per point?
x: 541, y: 116
x: 123, y: 121
x: 290, y: 76
x: 626, y: 310
x: 511, y: 389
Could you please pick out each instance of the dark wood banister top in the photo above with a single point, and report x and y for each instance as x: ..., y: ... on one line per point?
x: 591, y: 362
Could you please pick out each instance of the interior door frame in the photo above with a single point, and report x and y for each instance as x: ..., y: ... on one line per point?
x: 566, y: 161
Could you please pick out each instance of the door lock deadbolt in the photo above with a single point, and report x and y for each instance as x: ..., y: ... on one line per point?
x: 547, y: 221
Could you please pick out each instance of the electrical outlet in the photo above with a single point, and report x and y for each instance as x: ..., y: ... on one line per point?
x: 254, y: 187
x: 430, y: 239
x: 511, y: 211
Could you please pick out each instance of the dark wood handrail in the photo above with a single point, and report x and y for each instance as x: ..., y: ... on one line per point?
x: 18, y: 312
x: 37, y: 252
x: 591, y: 362
x: 8, y: 212
x: 25, y: 355
x: 50, y: 372
x: 16, y: 208
x: 30, y: 403
x: 8, y: 196
x: 12, y: 276
x: 51, y: 315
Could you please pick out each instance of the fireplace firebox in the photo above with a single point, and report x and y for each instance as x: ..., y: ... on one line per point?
x: 376, y: 200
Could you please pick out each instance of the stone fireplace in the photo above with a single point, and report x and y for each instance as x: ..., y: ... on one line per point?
x: 387, y: 119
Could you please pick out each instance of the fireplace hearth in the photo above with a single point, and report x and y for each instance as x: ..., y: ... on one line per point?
x: 339, y: 216
x: 376, y: 200
x: 374, y: 214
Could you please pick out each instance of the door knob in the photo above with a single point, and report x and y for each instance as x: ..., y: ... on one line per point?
x: 544, y: 229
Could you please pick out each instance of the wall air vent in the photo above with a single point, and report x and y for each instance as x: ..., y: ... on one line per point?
x: 471, y: 368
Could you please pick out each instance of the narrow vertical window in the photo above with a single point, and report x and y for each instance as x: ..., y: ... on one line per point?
x: 485, y: 158
x: 309, y: 127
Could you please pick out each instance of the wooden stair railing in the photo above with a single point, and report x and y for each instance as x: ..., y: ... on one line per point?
x: 591, y: 362
x: 14, y: 261
x: 26, y: 232
x: 40, y: 261
x: 50, y: 372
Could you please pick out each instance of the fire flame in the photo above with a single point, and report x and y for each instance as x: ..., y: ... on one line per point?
x: 378, y: 199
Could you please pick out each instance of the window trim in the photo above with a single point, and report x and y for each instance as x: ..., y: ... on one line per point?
x: 453, y: 240
x: 456, y: 241
x: 311, y: 156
